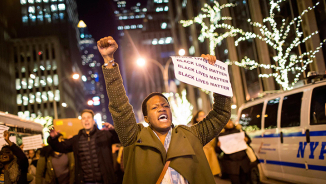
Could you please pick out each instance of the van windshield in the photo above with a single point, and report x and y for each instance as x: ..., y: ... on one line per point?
x: 250, y: 118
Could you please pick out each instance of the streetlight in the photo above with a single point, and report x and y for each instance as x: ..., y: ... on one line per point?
x: 182, y: 52
x: 164, y: 69
x: 64, y: 104
x: 90, y: 102
x: 75, y: 76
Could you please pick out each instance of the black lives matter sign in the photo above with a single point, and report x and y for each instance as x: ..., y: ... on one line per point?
x: 198, y: 72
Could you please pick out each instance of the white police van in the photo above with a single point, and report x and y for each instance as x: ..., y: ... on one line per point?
x: 288, y: 132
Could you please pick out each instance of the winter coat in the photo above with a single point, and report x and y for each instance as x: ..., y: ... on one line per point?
x: 231, y: 163
x: 45, y: 165
x: 18, y: 168
x: 104, y: 140
x: 209, y: 150
x: 144, y: 155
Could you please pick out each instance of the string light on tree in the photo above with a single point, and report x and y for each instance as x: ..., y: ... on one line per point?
x: 277, y: 36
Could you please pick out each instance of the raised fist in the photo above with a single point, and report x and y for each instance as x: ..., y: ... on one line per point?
x: 53, y: 133
x: 6, y: 135
x: 107, y: 46
x: 211, y: 59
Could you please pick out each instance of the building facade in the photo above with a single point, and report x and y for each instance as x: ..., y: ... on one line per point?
x: 46, y: 55
x: 94, y: 86
x: 7, y: 75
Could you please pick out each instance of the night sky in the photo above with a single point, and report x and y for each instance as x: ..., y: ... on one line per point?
x: 99, y: 16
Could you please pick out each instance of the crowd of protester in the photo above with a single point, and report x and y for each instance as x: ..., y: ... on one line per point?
x: 129, y: 152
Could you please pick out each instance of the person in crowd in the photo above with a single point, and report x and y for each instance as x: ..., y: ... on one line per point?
x: 209, y: 148
x: 116, y: 153
x: 92, y: 150
x: 235, y: 165
x: 54, y: 167
x: 160, y: 152
x: 14, y: 163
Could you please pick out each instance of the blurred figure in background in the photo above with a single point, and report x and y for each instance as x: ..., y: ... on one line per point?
x: 54, y: 167
x: 209, y: 148
x: 235, y: 165
x: 14, y: 163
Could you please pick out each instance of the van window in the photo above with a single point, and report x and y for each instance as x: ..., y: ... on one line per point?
x: 271, y: 113
x: 291, y: 109
x: 318, y: 106
x: 250, y: 118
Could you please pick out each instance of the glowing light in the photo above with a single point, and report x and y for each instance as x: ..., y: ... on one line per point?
x: 81, y: 24
x: 233, y: 106
x: 141, y: 62
x: 90, y: 102
x: 75, y: 76
x: 182, y: 52
x: 32, y: 76
x: 64, y: 104
x: 276, y: 36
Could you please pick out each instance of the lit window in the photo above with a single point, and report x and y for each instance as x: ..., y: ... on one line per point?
x: 168, y: 40
x: 57, y: 95
x: 120, y: 18
x: 164, y: 25
x: 161, y: 41
x: 31, y: 9
x: 84, y: 78
x: 166, y: 8
x: 154, y: 42
x: 46, y: 1
x: 131, y: 17
x: 54, y: 65
x: 18, y: 86
x: 50, y: 95
x: 133, y: 26
x: 42, y: 68
x: 192, y: 50
x: 25, y: 19
x: 140, y: 26
x: 62, y: 16
x: 30, y: 83
x: 54, y: 0
x: 137, y: 10
x: 47, y: 17
x: 38, y: 1
x: 20, y: 114
x: 22, y: 1
x: 24, y: 83
x: 55, y: 79
x: 158, y: 9
x: 44, y: 96
x: 38, y: 97
x: 31, y: 98
x: 37, y: 82
x: 31, y: 1
x: 127, y: 27
x: 138, y: 4
x: 116, y: 12
x: 92, y: 65
x: 125, y: 17
x: 120, y: 27
x: 61, y: 6
x: 54, y: 7
x: 144, y: 9
x: 49, y: 78
x: 166, y: 1
x: 19, y: 99
x: 119, y: 6
x: 25, y: 99
x: 142, y: 16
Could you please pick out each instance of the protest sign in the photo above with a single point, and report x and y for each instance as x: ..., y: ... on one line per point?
x: 2, y: 141
x: 198, y: 72
x: 233, y: 143
x: 32, y: 142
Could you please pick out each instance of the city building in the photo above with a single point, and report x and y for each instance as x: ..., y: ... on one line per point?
x: 7, y: 75
x: 246, y: 83
x: 46, y: 55
x: 94, y: 85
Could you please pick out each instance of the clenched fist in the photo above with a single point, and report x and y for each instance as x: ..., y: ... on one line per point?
x: 107, y: 46
x: 211, y: 59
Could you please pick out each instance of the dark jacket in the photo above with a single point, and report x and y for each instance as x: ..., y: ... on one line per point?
x: 144, y: 155
x: 22, y: 161
x: 231, y: 163
x: 44, y: 164
x: 104, y: 141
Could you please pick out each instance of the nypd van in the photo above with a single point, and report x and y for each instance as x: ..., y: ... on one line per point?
x: 288, y: 132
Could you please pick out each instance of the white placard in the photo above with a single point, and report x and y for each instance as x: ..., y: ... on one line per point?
x: 32, y: 142
x: 198, y: 72
x: 233, y: 143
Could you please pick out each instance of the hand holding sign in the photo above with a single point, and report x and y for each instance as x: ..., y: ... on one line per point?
x: 204, y: 72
